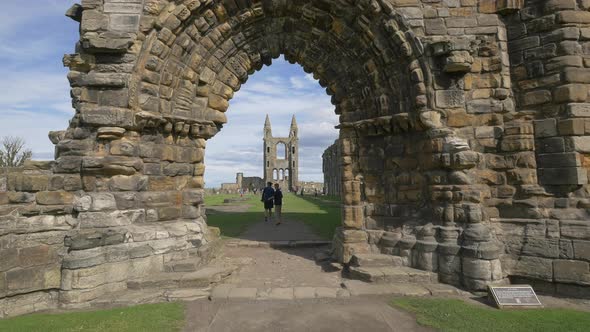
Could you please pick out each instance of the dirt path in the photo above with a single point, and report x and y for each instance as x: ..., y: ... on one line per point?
x: 358, y: 314
x: 289, y: 230
x: 272, y: 268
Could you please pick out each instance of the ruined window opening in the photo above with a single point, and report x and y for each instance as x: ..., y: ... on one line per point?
x: 281, y: 151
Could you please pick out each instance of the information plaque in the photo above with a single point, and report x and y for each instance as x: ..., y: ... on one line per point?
x: 515, y: 296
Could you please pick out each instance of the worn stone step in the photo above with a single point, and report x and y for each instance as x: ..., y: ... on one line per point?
x: 186, y: 265
x: 202, y: 278
x: 375, y: 260
x: 186, y: 294
x: 383, y: 275
x: 232, y: 292
x: 360, y: 288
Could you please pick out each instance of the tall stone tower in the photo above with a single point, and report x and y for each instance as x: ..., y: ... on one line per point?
x: 281, y: 157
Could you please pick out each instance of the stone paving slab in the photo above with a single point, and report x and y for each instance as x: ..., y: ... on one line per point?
x: 242, y: 293
x: 187, y: 294
x: 359, y: 288
x: 304, y: 292
x: 281, y: 294
x: 277, y: 244
x: 230, y: 292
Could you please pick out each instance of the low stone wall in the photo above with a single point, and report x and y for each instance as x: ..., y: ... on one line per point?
x: 63, y: 247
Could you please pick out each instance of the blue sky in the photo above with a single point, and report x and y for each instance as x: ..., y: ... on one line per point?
x: 35, y: 97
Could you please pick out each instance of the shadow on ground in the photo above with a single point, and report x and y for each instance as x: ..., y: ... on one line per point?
x: 306, y: 231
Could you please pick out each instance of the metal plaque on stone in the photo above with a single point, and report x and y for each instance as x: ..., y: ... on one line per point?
x: 514, y: 296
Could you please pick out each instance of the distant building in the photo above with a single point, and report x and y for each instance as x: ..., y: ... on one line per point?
x: 281, y: 157
x: 281, y: 165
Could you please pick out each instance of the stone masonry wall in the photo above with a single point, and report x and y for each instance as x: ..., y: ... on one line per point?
x: 332, y: 168
x: 546, y: 230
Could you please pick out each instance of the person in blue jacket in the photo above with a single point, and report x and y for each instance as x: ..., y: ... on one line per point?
x: 268, y: 195
x: 278, y: 201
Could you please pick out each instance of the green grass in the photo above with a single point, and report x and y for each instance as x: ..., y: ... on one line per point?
x: 234, y: 224
x: 321, y: 214
x: 149, y: 317
x: 456, y: 315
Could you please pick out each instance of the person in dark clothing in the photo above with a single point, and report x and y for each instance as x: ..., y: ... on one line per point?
x: 268, y: 195
x: 278, y: 201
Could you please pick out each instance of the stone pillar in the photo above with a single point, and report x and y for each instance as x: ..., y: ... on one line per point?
x: 351, y: 237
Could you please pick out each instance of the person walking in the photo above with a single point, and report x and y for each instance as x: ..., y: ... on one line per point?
x: 278, y: 202
x: 268, y: 195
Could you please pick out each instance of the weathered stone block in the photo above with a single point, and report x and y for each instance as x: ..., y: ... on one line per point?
x: 34, y: 278
x: 450, y: 98
x: 575, y: 229
x: 112, y: 219
x: 578, y: 143
x: 353, y: 216
x: 107, y: 117
x: 571, y: 93
x: 540, y: 247
x: 563, y: 176
x: 39, y: 255
x: 477, y: 268
x: 578, y: 110
x: 533, y: 267
x: 571, y: 127
x: 581, y: 250
x: 571, y: 16
x: 128, y: 183
x: 571, y: 271
x: 545, y: 128
x: 54, y: 198
x: 559, y: 160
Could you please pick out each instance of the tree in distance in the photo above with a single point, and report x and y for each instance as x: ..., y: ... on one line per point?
x: 13, y: 152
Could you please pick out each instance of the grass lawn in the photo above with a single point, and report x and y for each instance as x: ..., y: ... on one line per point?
x: 456, y: 315
x: 321, y: 213
x: 149, y: 317
x: 235, y: 223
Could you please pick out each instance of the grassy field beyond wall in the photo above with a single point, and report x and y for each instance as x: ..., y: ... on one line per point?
x: 321, y: 213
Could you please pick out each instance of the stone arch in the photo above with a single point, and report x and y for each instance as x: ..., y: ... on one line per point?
x: 217, y: 45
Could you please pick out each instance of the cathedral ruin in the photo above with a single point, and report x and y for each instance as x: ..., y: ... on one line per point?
x: 464, y: 139
x: 281, y: 157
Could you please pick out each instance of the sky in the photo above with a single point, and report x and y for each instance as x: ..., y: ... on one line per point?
x: 35, y: 97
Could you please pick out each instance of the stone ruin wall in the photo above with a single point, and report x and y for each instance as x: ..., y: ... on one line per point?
x: 310, y: 187
x: 462, y: 135
x: 3, y: 179
x: 513, y: 88
x: 253, y: 182
x: 332, y: 169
